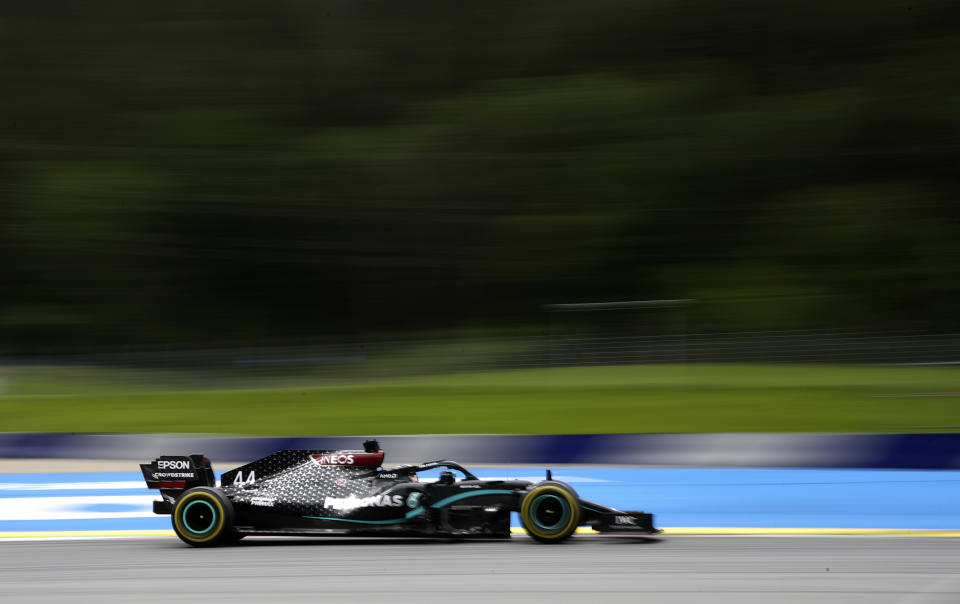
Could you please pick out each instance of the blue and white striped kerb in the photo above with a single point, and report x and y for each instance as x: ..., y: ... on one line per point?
x: 684, y: 500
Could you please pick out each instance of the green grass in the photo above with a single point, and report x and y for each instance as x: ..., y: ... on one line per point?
x: 642, y: 398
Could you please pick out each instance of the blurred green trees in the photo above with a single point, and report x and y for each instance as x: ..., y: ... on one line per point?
x: 234, y: 171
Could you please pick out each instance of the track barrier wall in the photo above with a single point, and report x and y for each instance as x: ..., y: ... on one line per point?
x: 919, y: 451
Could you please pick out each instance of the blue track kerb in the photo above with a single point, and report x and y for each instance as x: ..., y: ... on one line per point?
x: 686, y: 497
x: 782, y: 497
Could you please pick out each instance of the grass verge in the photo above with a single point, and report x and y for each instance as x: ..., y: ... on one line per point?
x: 639, y: 398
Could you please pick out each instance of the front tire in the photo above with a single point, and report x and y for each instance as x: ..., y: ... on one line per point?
x: 203, y: 517
x: 550, y: 512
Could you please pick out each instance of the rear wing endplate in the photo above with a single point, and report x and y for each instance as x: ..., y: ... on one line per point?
x: 178, y: 472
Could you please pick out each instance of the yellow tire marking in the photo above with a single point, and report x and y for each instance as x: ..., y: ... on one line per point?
x: 186, y: 533
x: 528, y: 500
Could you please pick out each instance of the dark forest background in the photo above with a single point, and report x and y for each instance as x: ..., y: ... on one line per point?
x: 286, y: 171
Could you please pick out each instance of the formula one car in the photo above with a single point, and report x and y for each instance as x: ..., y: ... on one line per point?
x: 336, y: 493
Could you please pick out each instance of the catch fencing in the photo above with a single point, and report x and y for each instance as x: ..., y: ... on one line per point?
x: 227, y: 367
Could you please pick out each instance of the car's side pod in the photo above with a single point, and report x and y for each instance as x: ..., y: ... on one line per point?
x: 173, y: 474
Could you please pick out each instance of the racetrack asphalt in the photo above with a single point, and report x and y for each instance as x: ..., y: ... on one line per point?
x: 675, y: 570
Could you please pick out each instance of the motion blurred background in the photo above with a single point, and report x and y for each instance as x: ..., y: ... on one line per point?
x: 307, y: 194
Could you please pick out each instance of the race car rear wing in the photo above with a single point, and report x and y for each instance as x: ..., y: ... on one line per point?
x: 178, y: 472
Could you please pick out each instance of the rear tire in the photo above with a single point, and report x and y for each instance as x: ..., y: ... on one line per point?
x: 203, y: 517
x: 550, y: 512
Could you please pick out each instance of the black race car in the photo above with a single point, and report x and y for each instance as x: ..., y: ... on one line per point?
x: 336, y: 493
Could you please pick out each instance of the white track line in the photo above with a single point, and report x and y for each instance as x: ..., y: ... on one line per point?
x: 72, y: 486
x: 72, y: 508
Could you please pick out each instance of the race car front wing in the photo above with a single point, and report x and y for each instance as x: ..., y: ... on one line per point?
x: 609, y: 520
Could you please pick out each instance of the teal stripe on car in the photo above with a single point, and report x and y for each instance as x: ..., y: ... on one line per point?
x: 411, y: 514
x: 448, y: 500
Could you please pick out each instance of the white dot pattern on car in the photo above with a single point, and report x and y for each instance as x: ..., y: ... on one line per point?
x: 293, y: 482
